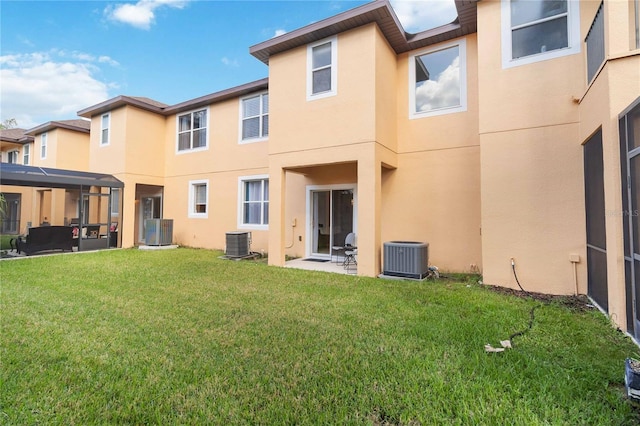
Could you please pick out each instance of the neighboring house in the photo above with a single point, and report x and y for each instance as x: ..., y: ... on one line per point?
x: 16, y: 147
x: 511, y: 134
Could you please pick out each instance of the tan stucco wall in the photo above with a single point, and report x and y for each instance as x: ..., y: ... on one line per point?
x: 135, y: 155
x: 66, y: 149
x: 72, y: 149
x: 612, y: 91
x: 418, y: 148
x: 434, y: 195
x: 335, y: 121
x: 223, y: 163
x: 531, y: 166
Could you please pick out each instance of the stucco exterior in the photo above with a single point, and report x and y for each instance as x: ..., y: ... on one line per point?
x: 493, y: 181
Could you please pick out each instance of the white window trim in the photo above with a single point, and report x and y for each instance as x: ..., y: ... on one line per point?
x: 108, y: 115
x: 202, y: 148
x: 462, y: 50
x: 17, y: 154
x: 241, y: 119
x: 334, y: 69
x: 43, y: 152
x: 241, y: 224
x: 26, y: 152
x: 191, y: 211
x: 573, y: 35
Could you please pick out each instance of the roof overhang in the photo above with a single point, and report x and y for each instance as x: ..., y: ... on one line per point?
x: 20, y: 175
x: 16, y: 136
x: 381, y: 13
x: 74, y: 125
x: 117, y: 102
x: 166, y: 110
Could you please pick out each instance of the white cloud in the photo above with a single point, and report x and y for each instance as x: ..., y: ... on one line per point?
x: 43, y: 86
x: 279, y: 32
x: 230, y: 62
x: 141, y: 14
x: 442, y: 92
x: 420, y: 15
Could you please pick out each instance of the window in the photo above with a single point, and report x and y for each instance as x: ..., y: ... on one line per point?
x: 254, y: 202
x: 115, y: 201
x: 438, y: 81
x: 255, y: 117
x: 104, y: 135
x: 322, y: 68
x: 536, y: 30
x: 12, y: 157
x: 636, y: 15
x: 192, y: 130
x: 595, y: 44
x: 198, y: 198
x: 43, y: 146
x: 26, y: 151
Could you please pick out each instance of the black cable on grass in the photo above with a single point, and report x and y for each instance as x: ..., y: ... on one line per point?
x: 532, y: 315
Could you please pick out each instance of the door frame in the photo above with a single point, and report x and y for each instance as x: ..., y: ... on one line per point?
x: 630, y: 216
x: 310, y: 189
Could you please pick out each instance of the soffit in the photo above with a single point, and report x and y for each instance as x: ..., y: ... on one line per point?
x: 381, y: 13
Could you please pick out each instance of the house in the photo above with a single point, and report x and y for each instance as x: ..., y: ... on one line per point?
x: 15, y: 148
x: 506, y: 139
x: 59, y: 144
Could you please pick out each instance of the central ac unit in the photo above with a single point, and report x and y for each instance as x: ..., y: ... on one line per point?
x: 238, y: 244
x: 158, y: 232
x: 407, y: 259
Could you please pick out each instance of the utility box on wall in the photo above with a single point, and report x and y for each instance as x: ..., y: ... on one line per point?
x: 158, y: 232
x: 409, y: 259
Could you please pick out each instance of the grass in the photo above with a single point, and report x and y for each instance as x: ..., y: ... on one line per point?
x: 182, y: 337
x: 4, y: 241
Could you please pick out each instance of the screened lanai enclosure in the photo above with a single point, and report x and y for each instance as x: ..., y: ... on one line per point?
x: 88, y: 203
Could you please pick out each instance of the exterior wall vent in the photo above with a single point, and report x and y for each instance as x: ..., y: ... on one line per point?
x: 409, y: 259
x: 238, y: 244
x: 158, y: 232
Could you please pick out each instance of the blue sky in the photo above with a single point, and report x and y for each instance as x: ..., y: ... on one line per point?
x: 58, y: 57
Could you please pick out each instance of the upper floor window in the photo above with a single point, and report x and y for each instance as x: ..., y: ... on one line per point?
x: 254, y: 202
x: 43, y: 146
x: 254, y: 112
x: 26, y: 153
x: 322, y: 66
x: 595, y: 44
x: 438, y: 80
x: 198, y: 198
x: 192, y: 130
x: 536, y: 30
x: 104, y: 126
x: 12, y: 157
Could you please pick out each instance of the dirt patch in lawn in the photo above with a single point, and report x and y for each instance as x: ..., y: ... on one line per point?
x: 578, y: 303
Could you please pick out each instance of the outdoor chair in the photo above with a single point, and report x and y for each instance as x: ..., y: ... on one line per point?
x: 350, y: 258
x: 349, y: 242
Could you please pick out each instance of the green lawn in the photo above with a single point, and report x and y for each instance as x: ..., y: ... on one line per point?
x: 182, y: 337
x: 4, y: 241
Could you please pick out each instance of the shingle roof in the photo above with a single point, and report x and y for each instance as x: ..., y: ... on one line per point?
x: 77, y: 125
x: 381, y: 13
x: 164, y: 109
x: 15, y: 135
